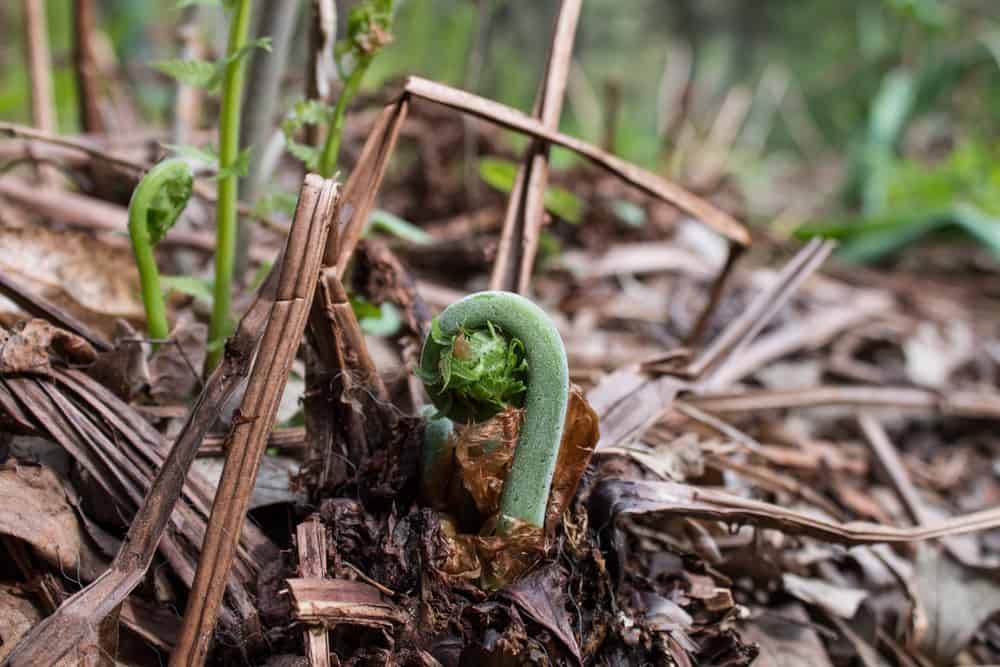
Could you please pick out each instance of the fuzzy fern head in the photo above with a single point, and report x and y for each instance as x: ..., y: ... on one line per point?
x: 161, y: 197
x: 480, y: 372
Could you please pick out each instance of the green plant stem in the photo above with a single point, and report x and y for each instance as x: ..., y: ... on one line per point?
x: 331, y: 148
x: 526, y: 491
x: 151, y: 197
x: 229, y: 147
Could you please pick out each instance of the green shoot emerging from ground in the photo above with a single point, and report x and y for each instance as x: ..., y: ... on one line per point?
x: 157, y: 202
x: 486, y: 352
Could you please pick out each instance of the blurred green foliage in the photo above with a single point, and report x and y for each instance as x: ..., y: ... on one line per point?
x: 862, y: 79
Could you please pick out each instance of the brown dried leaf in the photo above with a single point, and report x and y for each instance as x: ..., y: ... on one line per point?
x: 786, y: 643
x: 580, y: 435
x: 28, y: 347
x: 955, y: 601
x: 483, y: 455
x: 123, y: 369
x: 17, y: 616
x: 835, y: 600
x: 173, y: 367
x: 501, y: 560
x: 33, y: 508
x: 541, y: 596
x: 93, y: 281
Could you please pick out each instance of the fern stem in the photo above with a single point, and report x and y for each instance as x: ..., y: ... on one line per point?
x: 158, y: 199
x: 331, y: 148
x: 229, y: 148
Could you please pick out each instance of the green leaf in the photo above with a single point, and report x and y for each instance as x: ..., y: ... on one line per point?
x: 376, y: 320
x: 481, y: 372
x: 631, y: 214
x: 280, y: 202
x: 305, y: 112
x: 501, y: 175
x: 398, y: 227
x: 206, y: 155
x: 564, y: 204
x: 199, y: 288
x: 241, y: 53
x: 167, y: 204
x: 206, y: 74
x: 197, y: 73
x: 239, y: 167
x: 181, y: 4
x: 872, y: 240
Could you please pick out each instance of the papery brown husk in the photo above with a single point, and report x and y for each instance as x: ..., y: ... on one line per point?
x: 483, y: 454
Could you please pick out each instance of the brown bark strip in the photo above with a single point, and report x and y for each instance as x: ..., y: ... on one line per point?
x: 358, y: 196
x: 646, y: 181
x: 311, y: 537
x: 342, y: 601
x: 892, y: 468
x: 248, y: 434
x: 292, y: 439
x: 810, y: 332
x: 525, y: 208
x: 79, y: 617
x: 633, y: 398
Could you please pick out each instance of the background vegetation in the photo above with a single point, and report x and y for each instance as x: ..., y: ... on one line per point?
x: 847, y: 99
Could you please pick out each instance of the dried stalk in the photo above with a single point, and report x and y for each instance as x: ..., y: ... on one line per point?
x: 525, y: 208
x: 79, y: 617
x: 88, y: 82
x: 359, y: 193
x: 648, y: 182
x: 741, y: 331
x: 613, y: 498
x: 39, y: 74
x: 964, y: 404
x: 248, y: 435
x: 311, y: 538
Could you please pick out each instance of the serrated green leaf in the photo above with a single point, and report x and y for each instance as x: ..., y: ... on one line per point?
x: 239, y: 167
x: 197, y: 73
x: 199, y: 288
x: 167, y: 204
x: 309, y: 155
x: 305, y: 112
x: 241, y: 53
x: 206, y: 74
x: 206, y: 154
